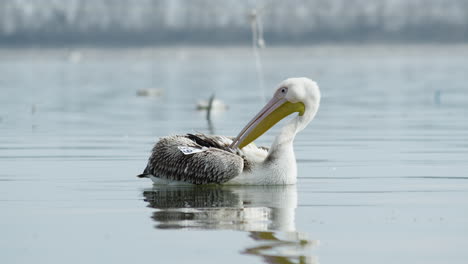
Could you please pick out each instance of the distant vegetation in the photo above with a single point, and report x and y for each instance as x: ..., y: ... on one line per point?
x: 125, y: 22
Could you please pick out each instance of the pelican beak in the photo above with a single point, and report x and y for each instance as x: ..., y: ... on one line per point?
x: 275, y: 110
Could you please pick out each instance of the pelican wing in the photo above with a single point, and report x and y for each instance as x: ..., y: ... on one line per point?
x: 207, y: 161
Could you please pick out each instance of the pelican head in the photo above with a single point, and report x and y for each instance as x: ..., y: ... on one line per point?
x: 301, y: 95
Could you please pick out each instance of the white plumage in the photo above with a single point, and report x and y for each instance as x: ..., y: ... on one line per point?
x: 217, y: 159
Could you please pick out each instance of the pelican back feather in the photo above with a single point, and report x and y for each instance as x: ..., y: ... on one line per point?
x: 212, y: 164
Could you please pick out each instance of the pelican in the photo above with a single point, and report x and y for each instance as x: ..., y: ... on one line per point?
x: 208, y: 159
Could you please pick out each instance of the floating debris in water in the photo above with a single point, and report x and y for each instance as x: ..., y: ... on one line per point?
x: 150, y: 92
x: 216, y: 105
x: 208, y: 114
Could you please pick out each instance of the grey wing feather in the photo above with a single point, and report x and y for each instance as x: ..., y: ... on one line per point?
x: 213, y: 165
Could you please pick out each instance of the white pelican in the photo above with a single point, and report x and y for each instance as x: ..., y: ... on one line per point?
x: 205, y: 159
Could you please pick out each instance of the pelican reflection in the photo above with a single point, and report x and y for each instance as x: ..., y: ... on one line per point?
x: 266, y: 212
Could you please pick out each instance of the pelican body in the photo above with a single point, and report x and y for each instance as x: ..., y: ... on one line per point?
x: 207, y: 159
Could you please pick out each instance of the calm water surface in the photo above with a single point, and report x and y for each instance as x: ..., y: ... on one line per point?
x: 383, y: 170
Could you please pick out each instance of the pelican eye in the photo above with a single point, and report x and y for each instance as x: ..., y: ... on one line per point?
x: 284, y: 90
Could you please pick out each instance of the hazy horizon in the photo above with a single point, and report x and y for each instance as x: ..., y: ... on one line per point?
x: 204, y: 22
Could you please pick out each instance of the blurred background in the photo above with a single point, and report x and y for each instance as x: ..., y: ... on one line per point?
x: 88, y: 86
x: 122, y: 22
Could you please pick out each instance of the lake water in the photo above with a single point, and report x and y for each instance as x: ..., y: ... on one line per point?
x: 383, y: 170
